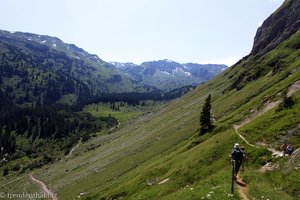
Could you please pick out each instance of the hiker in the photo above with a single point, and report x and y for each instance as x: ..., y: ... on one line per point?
x: 284, y: 148
x: 237, y: 155
x: 244, y: 156
x: 287, y: 149
x: 290, y: 149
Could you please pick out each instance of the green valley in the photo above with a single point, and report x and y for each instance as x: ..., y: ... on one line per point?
x: 161, y: 155
x: 155, y: 150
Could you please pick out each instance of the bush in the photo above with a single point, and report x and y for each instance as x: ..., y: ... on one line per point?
x: 16, y: 167
x: 85, y: 137
x: 287, y: 102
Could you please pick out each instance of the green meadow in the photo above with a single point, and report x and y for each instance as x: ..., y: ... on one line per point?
x: 157, y: 152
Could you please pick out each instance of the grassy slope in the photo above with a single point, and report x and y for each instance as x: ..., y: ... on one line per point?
x: 125, y: 113
x: 162, y: 145
x: 186, y: 167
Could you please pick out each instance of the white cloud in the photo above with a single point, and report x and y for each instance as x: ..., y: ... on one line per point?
x: 259, y: 24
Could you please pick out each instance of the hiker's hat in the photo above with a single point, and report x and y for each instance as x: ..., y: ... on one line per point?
x: 236, y: 146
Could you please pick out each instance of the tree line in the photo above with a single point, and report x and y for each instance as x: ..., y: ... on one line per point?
x: 48, y: 122
x: 134, y: 98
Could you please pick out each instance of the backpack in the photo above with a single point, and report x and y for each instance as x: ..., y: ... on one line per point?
x: 290, y: 149
x: 237, y: 154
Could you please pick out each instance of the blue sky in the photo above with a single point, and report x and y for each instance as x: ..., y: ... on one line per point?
x: 202, y: 31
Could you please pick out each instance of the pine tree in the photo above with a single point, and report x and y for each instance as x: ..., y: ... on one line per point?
x: 206, y: 123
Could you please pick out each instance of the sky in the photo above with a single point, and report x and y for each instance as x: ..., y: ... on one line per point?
x: 199, y: 31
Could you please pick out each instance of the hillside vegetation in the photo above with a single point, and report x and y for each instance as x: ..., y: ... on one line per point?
x: 43, y: 70
x: 40, y: 70
x: 162, y: 156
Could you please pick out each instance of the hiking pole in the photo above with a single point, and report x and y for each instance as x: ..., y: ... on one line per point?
x: 233, y: 177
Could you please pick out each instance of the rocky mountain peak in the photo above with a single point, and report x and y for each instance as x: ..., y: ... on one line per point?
x: 279, y: 26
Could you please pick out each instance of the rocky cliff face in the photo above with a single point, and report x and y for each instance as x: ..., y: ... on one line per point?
x: 278, y: 27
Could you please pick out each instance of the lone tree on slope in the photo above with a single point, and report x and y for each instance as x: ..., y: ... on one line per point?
x: 206, y: 123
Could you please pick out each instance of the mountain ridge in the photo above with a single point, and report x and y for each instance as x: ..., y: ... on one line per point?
x: 167, y: 74
x: 44, y: 64
x: 51, y: 71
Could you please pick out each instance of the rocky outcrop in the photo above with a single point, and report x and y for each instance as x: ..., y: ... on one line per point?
x: 278, y: 27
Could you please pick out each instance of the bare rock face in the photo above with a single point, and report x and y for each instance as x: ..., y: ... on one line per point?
x: 279, y: 26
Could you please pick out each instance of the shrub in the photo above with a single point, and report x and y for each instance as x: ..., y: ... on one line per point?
x: 16, y: 167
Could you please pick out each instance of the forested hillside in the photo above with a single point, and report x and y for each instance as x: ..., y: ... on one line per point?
x: 43, y: 70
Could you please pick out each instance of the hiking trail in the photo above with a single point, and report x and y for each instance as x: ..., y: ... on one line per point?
x: 241, y: 185
x: 43, y: 186
x: 70, y: 153
x: 115, y: 126
x: 72, y: 150
x: 242, y: 188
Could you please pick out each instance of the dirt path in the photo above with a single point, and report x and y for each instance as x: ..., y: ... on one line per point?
x: 42, y: 185
x: 236, y: 127
x: 241, y: 185
x: 242, y: 188
x: 293, y: 88
x: 70, y: 153
x: 268, y: 106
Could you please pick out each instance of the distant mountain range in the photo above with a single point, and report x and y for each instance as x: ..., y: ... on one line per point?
x: 42, y: 70
x: 168, y: 75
